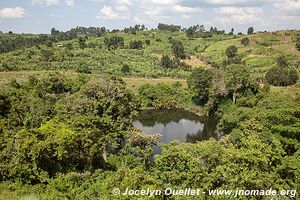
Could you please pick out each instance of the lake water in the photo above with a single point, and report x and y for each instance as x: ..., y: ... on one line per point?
x: 178, y: 125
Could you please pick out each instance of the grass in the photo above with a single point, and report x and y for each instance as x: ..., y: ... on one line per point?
x: 133, y: 83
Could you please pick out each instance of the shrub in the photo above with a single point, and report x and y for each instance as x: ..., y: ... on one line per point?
x: 136, y: 44
x: 125, y: 69
x: 168, y: 63
x: 114, y: 42
x: 245, y: 41
x: 280, y: 76
x: 178, y: 49
x: 231, y: 51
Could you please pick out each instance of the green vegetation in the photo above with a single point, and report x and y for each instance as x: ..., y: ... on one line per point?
x: 200, y: 82
x: 231, y: 51
x: 165, y: 96
x: 68, y: 101
x: 245, y: 41
x: 250, y: 31
x: 282, y: 74
x: 298, y: 44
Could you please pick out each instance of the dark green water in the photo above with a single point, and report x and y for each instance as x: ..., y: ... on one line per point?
x: 178, y: 125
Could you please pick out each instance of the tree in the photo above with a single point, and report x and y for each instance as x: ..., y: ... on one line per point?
x: 114, y: 42
x: 231, y: 32
x: 62, y: 125
x: 166, y: 62
x: 237, y: 77
x: 200, y: 82
x: 231, y: 51
x: 81, y: 42
x: 136, y: 44
x: 245, y: 41
x: 298, y: 43
x: 147, y: 42
x: 54, y: 31
x: 178, y: 49
x: 250, y: 31
x: 282, y: 74
x: 168, y: 27
x: 190, y: 32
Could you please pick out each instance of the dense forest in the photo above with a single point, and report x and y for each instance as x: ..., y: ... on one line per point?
x: 68, y: 101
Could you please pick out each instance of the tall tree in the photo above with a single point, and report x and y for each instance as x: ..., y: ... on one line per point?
x: 200, y: 82
x: 236, y: 77
x: 81, y: 42
x: 298, y: 43
x: 250, y: 30
x: 178, y: 49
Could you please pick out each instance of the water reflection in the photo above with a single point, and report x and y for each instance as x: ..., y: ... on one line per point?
x: 177, y: 125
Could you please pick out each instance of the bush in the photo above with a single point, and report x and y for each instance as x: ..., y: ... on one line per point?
x: 6, y: 67
x: 231, y: 51
x: 168, y: 63
x: 279, y: 76
x: 125, y: 69
x: 136, y: 44
x: 164, y: 96
x: 245, y: 41
x: 178, y: 49
x: 114, y: 42
x: 282, y: 74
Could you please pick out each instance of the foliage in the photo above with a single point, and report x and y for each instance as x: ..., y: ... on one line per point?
x: 113, y: 42
x: 168, y: 27
x: 168, y: 63
x: 282, y: 74
x: 164, y: 96
x: 298, y: 43
x: 250, y: 31
x: 231, y: 51
x: 84, y: 70
x: 200, y: 82
x: 198, y: 31
x: 61, y: 125
x: 136, y: 44
x: 178, y: 49
x: 125, y: 69
x: 81, y: 42
x: 279, y: 76
x: 237, y: 79
x: 47, y: 55
x: 245, y: 41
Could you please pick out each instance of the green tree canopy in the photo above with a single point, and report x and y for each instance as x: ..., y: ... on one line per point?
x: 250, y: 31
x: 231, y: 51
x: 200, y: 82
x: 237, y: 77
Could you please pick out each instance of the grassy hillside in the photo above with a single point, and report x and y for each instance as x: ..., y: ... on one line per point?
x: 262, y: 51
